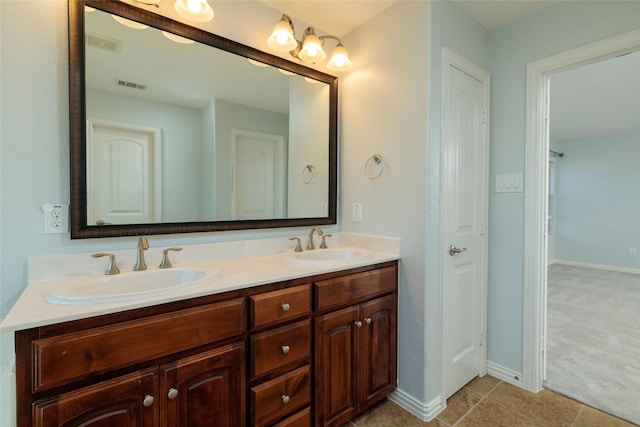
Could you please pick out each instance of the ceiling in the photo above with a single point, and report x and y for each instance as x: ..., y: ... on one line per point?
x: 594, y: 100
x: 340, y: 17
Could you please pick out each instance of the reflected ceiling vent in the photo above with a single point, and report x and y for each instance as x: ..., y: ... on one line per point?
x: 104, y: 43
x: 131, y: 85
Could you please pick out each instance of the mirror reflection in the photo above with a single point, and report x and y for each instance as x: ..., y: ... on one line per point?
x: 178, y: 131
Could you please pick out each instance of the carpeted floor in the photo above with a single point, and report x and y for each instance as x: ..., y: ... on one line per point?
x: 593, y: 338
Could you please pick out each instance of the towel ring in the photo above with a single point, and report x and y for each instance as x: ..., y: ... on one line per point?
x: 307, y: 174
x: 369, y: 166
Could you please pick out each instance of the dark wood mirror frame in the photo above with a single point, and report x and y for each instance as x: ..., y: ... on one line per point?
x: 79, y: 227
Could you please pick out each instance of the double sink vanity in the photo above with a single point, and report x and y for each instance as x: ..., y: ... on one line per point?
x: 233, y: 334
x: 240, y: 333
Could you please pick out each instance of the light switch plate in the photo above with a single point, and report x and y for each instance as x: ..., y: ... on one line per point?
x: 512, y: 183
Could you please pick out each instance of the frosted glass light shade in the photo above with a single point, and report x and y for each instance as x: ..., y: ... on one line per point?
x: 312, y: 49
x: 282, y: 38
x: 339, y: 59
x: 194, y: 10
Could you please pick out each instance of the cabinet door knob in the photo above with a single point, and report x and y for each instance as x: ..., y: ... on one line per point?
x: 367, y: 320
x: 285, y: 399
x: 285, y: 349
x: 358, y: 324
x: 173, y: 393
x: 148, y: 400
x: 285, y: 307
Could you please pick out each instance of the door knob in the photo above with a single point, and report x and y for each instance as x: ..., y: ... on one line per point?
x: 173, y: 393
x: 453, y: 250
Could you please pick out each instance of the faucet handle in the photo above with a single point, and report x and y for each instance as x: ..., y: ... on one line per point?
x: 165, y: 263
x: 298, y: 245
x: 112, y: 268
x: 323, y: 244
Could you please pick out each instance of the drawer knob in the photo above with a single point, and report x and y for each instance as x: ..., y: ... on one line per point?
x: 367, y: 320
x: 148, y: 400
x: 285, y: 399
x: 285, y: 307
x: 285, y: 349
x: 358, y: 324
x: 173, y: 393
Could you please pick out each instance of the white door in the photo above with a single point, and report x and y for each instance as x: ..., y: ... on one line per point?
x: 465, y: 194
x: 123, y: 184
x: 258, y: 175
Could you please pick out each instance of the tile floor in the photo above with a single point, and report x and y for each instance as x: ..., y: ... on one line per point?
x: 489, y: 402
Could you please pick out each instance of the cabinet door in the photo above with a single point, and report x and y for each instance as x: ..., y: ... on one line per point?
x: 378, y: 349
x: 205, y: 390
x: 116, y: 403
x: 336, y: 368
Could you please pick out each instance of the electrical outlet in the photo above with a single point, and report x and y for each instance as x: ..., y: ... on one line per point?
x: 633, y: 251
x: 356, y: 212
x: 55, y: 218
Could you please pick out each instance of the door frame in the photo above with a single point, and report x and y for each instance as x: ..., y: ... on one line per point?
x: 156, y: 181
x: 535, y: 214
x: 452, y: 59
x: 279, y: 168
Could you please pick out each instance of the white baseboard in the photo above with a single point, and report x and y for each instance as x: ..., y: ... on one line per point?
x: 426, y: 412
x: 8, y: 396
x: 505, y: 374
x: 596, y: 266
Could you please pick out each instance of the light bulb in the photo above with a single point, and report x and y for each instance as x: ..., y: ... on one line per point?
x: 194, y: 10
x: 282, y: 38
x: 339, y: 59
x: 312, y: 49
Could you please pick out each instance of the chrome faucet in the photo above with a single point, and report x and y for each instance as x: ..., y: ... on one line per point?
x: 143, y: 245
x: 310, y: 245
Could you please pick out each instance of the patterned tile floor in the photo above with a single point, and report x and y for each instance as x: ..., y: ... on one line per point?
x: 489, y: 402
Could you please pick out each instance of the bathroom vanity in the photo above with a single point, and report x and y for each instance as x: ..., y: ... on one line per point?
x: 311, y: 350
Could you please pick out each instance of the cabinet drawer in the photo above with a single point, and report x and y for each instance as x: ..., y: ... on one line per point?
x: 281, y: 396
x: 277, y: 306
x: 64, y: 358
x: 279, y: 347
x: 346, y: 290
x: 301, y: 419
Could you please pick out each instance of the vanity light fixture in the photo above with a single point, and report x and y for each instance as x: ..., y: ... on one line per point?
x: 309, y: 49
x: 194, y: 10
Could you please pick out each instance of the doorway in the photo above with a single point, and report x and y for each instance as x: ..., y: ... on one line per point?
x: 258, y: 177
x: 124, y: 171
x: 464, y: 212
x: 535, y: 239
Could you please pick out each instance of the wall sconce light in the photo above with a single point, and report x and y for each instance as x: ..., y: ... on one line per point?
x: 194, y: 10
x: 283, y: 39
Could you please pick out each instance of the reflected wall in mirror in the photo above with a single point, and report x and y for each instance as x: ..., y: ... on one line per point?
x: 174, y: 129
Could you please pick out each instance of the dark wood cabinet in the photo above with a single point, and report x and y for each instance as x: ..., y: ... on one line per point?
x: 312, y: 351
x: 355, y: 352
x: 204, y: 390
x: 126, y: 401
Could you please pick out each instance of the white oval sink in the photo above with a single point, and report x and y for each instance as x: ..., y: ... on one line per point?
x: 329, y: 256
x: 127, y: 286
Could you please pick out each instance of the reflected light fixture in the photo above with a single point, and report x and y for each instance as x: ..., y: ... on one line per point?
x: 309, y: 49
x: 194, y: 10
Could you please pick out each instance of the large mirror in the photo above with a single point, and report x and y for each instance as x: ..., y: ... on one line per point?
x: 174, y: 130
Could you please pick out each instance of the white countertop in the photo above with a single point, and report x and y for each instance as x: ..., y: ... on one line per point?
x: 240, y: 265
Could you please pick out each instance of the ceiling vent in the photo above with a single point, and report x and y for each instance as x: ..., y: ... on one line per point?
x: 131, y: 85
x: 104, y: 43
